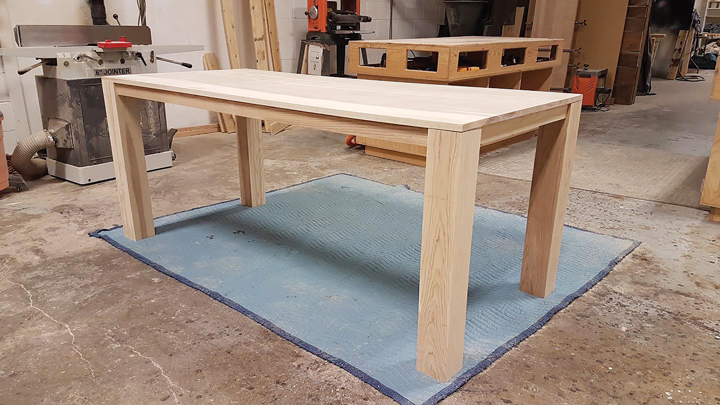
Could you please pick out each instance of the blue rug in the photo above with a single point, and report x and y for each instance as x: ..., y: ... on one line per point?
x: 333, y: 266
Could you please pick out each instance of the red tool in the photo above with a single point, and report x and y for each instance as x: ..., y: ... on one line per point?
x: 319, y: 18
x: 590, y: 83
x: 334, y: 25
x: 110, y: 44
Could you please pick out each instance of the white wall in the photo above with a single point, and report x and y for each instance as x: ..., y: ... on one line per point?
x: 188, y: 22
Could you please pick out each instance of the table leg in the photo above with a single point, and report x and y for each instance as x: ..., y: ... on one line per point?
x: 548, y: 202
x: 129, y: 162
x: 250, y: 161
x: 450, y: 183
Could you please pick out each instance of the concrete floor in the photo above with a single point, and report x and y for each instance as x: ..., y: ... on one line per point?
x: 81, y: 322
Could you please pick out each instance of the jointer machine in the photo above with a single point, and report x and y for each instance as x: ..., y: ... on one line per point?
x: 72, y: 108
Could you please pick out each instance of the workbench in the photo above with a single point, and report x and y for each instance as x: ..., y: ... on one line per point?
x: 453, y: 133
x: 496, y: 62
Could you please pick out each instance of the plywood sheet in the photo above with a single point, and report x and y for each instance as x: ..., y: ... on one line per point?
x: 556, y: 19
x: 600, y: 40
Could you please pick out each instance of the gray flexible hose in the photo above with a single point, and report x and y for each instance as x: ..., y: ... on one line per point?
x: 22, y: 159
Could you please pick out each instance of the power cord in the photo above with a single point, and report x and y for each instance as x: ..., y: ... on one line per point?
x: 691, y: 78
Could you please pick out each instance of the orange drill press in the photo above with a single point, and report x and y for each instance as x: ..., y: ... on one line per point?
x: 335, y: 26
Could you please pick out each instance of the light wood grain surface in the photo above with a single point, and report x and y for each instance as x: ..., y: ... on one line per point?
x: 711, y: 186
x: 448, y: 209
x: 426, y: 106
x: 453, y: 41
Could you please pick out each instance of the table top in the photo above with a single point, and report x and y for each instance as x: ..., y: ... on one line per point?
x: 451, y: 108
x: 458, y: 41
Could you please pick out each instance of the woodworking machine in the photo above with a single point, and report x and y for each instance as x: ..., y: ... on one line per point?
x: 333, y: 26
x: 590, y: 83
x: 73, y: 58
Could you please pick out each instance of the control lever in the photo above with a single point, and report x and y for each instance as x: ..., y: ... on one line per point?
x: 80, y: 56
x: 31, y: 67
x: 141, y: 57
x: 117, y: 18
x: 183, y: 64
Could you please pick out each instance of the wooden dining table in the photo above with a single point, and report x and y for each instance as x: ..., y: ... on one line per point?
x: 452, y: 121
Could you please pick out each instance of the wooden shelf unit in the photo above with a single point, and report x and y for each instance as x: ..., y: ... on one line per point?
x: 488, y: 52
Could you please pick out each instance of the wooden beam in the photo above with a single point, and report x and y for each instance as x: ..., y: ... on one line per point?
x: 687, y: 53
x: 266, y: 45
x: 515, y: 29
x: 250, y: 162
x: 448, y: 210
x: 257, y: 21
x: 272, y: 35
x: 504, y: 133
x: 548, y: 201
x: 711, y: 185
x: 211, y: 62
x: 197, y: 130
x: 416, y: 160
x: 126, y: 142
x: 298, y: 118
x: 228, y: 17
x: 677, y: 54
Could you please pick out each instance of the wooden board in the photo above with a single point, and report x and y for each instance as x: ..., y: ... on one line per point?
x: 197, y: 130
x: 448, y: 207
x: 711, y: 185
x: 599, y: 42
x: 266, y: 45
x: 387, y: 102
x: 556, y: 19
x: 496, y: 134
x: 655, y: 38
x: 257, y: 20
x: 250, y: 162
x: 514, y: 30
x: 226, y: 122
x: 632, y: 49
x: 449, y: 51
x: 273, y: 44
x: 548, y: 201
x: 687, y: 53
x: 678, y: 53
x: 228, y: 17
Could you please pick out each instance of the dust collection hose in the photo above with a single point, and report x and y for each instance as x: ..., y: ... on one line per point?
x: 22, y: 159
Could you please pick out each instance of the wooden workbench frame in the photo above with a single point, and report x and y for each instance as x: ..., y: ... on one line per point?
x: 529, y: 75
x: 449, y: 55
x: 449, y: 200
